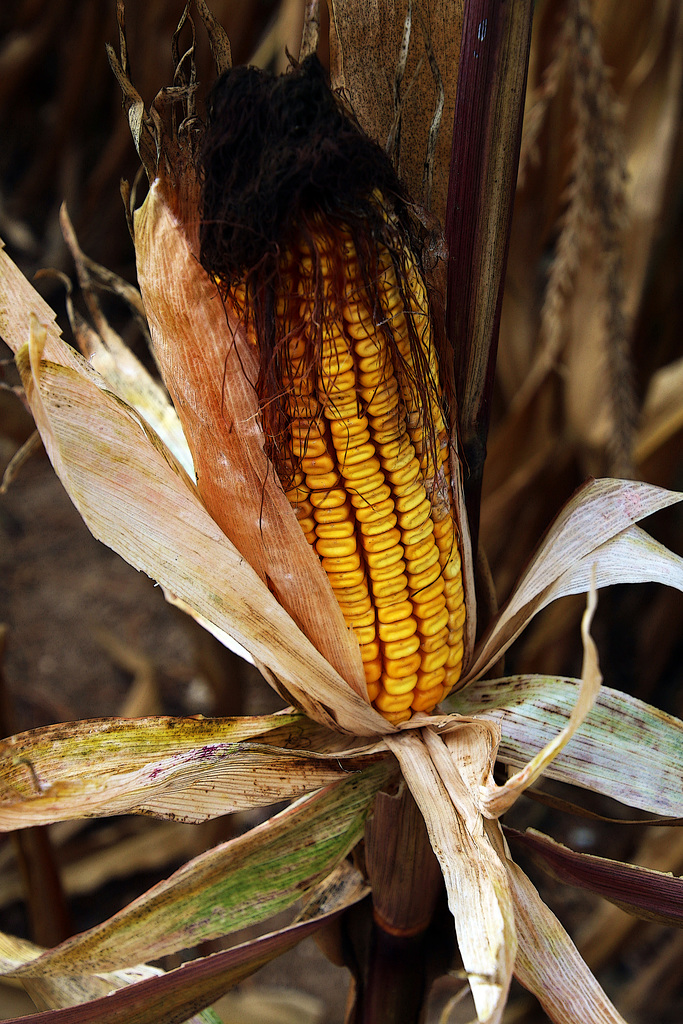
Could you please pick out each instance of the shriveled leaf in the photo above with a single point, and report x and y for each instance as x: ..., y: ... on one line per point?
x: 136, y: 498
x: 548, y: 963
x: 185, y: 769
x: 476, y: 881
x: 592, y: 528
x: 210, y: 370
x: 624, y: 748
x: 171, y: 998
x: 651, y: 895
x: 232, y: 886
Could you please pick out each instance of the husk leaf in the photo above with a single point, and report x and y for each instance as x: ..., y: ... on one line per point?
x: 210, y: 371
x: 476, y: 881
x: 136, y: 498
x: 494, y: 800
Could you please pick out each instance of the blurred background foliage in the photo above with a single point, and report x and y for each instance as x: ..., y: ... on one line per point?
x: 589, y: 382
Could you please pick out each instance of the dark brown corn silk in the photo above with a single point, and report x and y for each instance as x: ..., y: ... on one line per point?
x: 309, y: 234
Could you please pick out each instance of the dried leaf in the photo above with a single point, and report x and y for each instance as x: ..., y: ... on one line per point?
x: 210, y: 371
x: 592, y: 528
x: 183, y: 769
x: 476, y: 880
x: 486, y: 137
x: 232, y: 886
x: 619, y: 731
x: 18, y: 301
x: 651, y: 895
x: 548, y: 963
x: 135, y: 497
x: 171, y: 998
x: 494, y: 799
x: 114, y: 361
x: 50, y: 993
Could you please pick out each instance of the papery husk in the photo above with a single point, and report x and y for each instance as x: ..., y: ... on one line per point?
x: 18, y: 302
x: 473, y: 742
x: 210, y: 371
x: 476, y: 880
x: 107, y: 353
x: 135, y: 496
x: 547, y: 961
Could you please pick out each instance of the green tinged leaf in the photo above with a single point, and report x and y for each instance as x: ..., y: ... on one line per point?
x: 232, y: 886
x: 624, y: 748
x: 173, y: 997
x: 183, y: 768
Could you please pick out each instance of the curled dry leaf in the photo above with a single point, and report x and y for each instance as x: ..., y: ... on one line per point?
x: 495, y: 800
x: 589, y: 531
x: 619, y: 730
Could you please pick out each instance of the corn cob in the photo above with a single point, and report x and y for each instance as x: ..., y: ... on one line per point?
x: 368, y: 473
x: 352, y: 410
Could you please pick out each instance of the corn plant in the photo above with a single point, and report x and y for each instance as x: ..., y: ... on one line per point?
x: 302, y: 495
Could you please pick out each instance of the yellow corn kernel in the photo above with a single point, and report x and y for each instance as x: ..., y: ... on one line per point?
x: 367, y: 448
x: 393, y: 702
x: 397, y: 687
x: 425, y: 700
